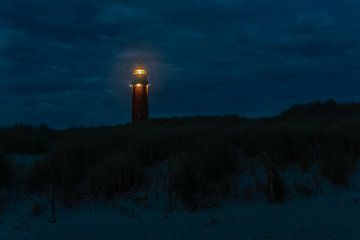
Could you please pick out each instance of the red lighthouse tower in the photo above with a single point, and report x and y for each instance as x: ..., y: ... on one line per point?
x: 140, y: 93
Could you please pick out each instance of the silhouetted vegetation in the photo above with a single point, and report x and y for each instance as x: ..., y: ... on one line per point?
x: 205, y: 167
x: 22, y: 138
x: 203, y: 152
x: 325, y: 110
x: 5, y: 171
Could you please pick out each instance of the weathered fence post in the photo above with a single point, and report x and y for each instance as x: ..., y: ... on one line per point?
x: 52, y: 203
x: 169, y: 185
x: 271, y: 184
x: 276, y: 189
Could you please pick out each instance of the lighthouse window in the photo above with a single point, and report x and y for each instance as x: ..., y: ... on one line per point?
x: 139, y: 72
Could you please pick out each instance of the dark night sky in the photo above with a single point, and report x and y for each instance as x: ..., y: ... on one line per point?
x: 67, y: 63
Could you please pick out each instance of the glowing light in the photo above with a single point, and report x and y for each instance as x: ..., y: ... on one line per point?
x: 139, y: 71
x: 138, y: 85
x: 139, y: 78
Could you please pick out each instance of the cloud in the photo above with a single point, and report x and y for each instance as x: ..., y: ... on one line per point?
x: 118, y: 13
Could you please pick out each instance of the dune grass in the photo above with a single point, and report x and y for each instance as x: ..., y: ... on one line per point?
x: 203, y: 152
x: 204, y: 159
x: 5, y: 171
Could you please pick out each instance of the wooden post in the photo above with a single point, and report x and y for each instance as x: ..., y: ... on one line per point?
x: 169, y: 185
x: 52, y: 204
x: 271, y: 184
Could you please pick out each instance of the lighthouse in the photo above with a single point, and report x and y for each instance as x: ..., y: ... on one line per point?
x: 140, y: 93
